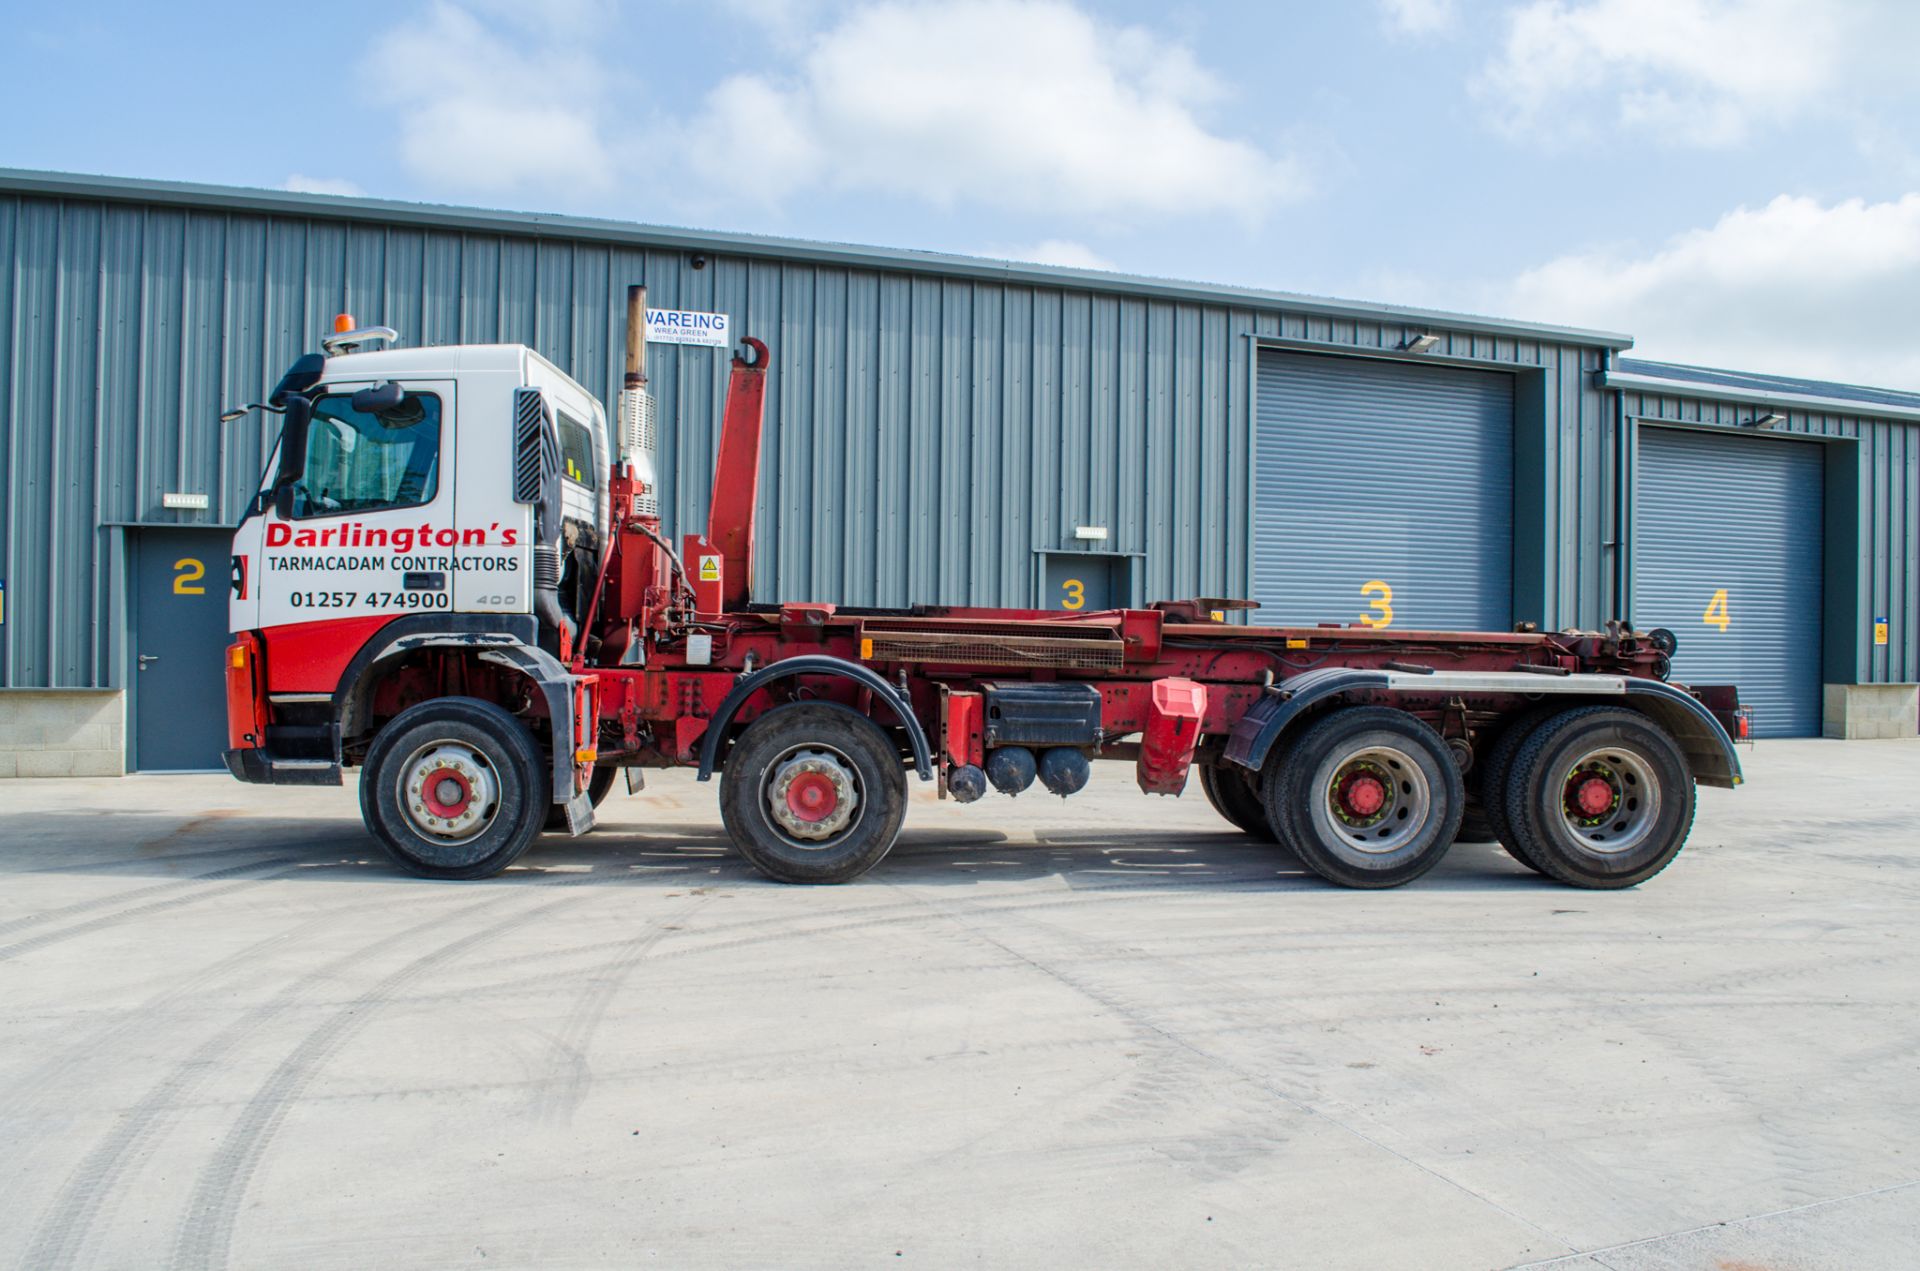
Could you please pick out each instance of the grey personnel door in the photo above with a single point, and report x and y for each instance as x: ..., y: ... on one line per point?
x: 1728, y: 556
x: 180, y: 588
x: 1383, y: 494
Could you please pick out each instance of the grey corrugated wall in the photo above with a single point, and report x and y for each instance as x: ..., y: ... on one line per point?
x: 1873, y: 484
x: 928, y: 430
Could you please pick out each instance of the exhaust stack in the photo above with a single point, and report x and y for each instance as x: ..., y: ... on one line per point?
x: 639, y: 440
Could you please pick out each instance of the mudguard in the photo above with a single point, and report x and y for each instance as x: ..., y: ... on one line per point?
x: 1709, y: 751
x: 813, y: 664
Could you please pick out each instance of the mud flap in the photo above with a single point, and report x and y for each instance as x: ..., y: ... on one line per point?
x: 579, y: 814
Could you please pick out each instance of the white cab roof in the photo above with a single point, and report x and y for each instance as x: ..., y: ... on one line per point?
x: 440, y: 359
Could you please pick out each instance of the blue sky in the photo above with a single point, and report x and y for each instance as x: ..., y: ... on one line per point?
x: 1732, y: 181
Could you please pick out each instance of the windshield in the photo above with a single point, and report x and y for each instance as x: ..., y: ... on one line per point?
x: 362, y: 462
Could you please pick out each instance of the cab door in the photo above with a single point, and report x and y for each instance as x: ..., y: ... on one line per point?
x: 365, y: 531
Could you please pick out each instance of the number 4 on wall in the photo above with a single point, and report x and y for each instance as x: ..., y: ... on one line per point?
x: 1716, y: 614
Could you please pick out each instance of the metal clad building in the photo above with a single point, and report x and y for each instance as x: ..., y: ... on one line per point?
x: 941, y: 429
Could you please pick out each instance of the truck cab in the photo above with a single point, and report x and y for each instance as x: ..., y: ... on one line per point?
x: 394, y: 495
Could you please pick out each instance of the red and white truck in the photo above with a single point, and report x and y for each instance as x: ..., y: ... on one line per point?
x: 455, y: 579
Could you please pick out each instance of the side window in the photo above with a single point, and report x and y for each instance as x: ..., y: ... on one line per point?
x: 360, y: 462
x: 576, y: 450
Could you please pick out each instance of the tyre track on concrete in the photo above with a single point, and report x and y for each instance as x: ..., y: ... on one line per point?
x: 169, y: 887
x: 558, y: 1100
x: 204, y: 1239
x: 25, y: 1091
x: 1574, y: 1163
x: 64, y: 1228
x: 1144, y: 1018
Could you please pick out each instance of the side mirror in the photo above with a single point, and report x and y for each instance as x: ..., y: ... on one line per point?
x: 283, y: 500
x: 378, y: 399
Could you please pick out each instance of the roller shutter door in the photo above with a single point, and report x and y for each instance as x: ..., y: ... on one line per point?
x: 1728, y: 556
x: 1383, y: 488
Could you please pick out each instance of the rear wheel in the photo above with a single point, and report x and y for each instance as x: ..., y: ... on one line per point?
x: 1495, y: 774
x: 1601, y: 797
x: 1474, y: 827
x: 813, y: 793
x: 1368, y: 797
x: 1233, y: 796
x: 454, y: 788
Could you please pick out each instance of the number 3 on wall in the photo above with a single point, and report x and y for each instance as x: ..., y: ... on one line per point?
x: 1382, y: 604
x: 1076, y: 594
x: 1716, y: 614
x: 188, y: 574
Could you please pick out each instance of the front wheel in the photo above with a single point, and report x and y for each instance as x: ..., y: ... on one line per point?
x: 813, y: 793
x: 1369, y: 796
x: 1600, y: 797
x: 454, y: 788
x: 597, y: 790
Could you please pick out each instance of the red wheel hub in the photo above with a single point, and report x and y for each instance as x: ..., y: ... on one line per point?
x: 1362, y: 794
x: 446, y: 793
x: 812, y: 797
x: 1591, y: 795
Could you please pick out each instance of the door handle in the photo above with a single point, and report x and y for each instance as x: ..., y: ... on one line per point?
x: 427, y: 580
x: 146, y: 658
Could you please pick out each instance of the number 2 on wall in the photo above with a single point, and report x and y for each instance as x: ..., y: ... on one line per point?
x: 188, y: 574
x: 1716, y: 614
x: 1076, y: 594
x: 1381, y: 605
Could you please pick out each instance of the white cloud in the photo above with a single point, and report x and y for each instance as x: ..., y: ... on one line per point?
x: 497, y: 104
x: 1055, y: 251
x: 1690, y: 72
x: 1796, y: 287
x: 301, y: 184
x: 1417, y: 17
x: 1029, y: 105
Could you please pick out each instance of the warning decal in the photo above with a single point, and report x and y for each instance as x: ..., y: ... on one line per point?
x: 709, y: 569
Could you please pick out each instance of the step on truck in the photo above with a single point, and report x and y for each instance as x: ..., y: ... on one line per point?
x: 455, y: 578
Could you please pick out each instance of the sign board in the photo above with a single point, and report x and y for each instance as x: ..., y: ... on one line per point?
x: 709, y: 569
x: 187, y: 502
x: 1881, y: 628
x: 685, y: 326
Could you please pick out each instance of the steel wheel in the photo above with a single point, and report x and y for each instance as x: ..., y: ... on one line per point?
x: 1611, y: 800
x: 454, y: 788
x: 1378, y: 799
x: 813, y: 793
x: 1600, y: 796
x: 1368, y: 796
x: 449, y: 791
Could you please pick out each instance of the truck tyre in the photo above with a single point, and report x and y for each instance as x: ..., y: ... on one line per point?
x: 1495, y: 773
x: 454, y: 788
x: 597, y: 790
x: 1600, y: 797
x: 1368, y: 796
x: 1233, y: 797
x: 813, y: 793
x: 1474, y: 827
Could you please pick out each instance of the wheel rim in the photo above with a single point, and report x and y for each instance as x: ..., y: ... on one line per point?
x: 449, y: 792
x: 1377, y: 800
x: 1610, y: 800
x: 813, y: 796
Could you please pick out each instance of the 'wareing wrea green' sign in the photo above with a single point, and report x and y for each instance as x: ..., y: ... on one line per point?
x: 686, y: 326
